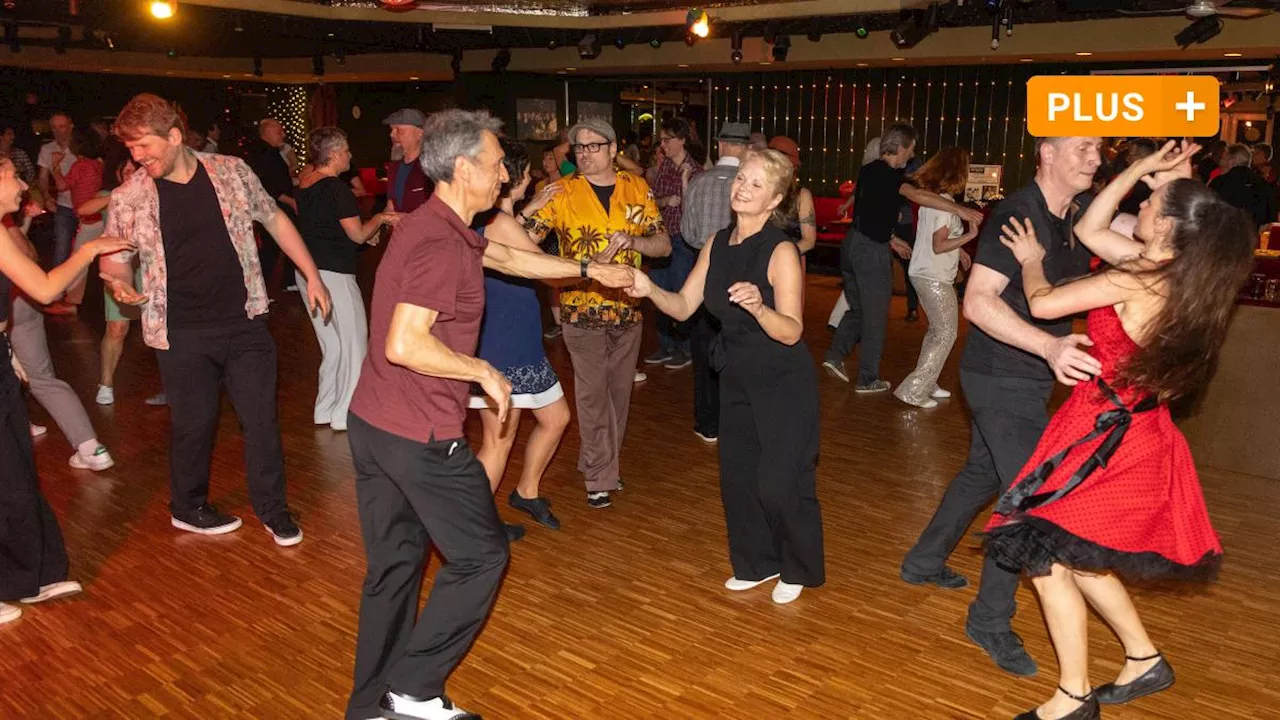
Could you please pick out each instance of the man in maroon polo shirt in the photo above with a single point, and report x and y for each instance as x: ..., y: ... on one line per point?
x: 417, y: 480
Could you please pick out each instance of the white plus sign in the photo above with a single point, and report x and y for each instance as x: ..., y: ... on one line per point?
x: 1190, y: 106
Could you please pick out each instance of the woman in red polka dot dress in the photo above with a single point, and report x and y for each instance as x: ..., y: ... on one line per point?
x: 1112, y: 489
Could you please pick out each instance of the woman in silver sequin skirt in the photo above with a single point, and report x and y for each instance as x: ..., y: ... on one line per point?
x: 934, y: 261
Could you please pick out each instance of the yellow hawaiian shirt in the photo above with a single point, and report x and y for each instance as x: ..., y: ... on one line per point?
x: 583, y: 228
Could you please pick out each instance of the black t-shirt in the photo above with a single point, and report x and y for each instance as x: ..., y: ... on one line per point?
x: 1064, y: 259
x: 206, y: 280
x: 321, y: 207
x: 273, y: 172
x: 877, y: 200
x: 604, y: 193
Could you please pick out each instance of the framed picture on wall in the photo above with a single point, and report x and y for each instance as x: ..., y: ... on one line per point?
x: 595, y: 110
x: 983, y: 183
x: 536, y: 119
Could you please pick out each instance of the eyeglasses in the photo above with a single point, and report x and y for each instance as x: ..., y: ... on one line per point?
x: 589, y: 147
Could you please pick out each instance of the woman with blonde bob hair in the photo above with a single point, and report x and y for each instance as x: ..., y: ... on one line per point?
x: 749, y: 275
x: 935, y: 258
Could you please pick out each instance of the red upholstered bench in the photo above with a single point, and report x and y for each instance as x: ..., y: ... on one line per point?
x: 831, y: 224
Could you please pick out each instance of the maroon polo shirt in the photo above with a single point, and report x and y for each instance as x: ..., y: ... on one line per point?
x: 434, y: 261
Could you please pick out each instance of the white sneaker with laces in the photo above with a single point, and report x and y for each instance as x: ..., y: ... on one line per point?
x: 53, y: 591
x: 106, y: 395
x: 9, y: 613
x: 403, y: 707
x: 100, y: 460
x: 940, y: 394
x: 737, y: 585
x: 784, y: 593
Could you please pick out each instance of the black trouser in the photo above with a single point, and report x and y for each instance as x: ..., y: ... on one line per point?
x: 271, y: 256
x: 768, y: 461
x: 913, y: 298
x: 1009, y: 416
x: 32, y: 553
x: 242, y: 357
x: 868, y: 288
x: 412, y: 495
x: 706, y: 382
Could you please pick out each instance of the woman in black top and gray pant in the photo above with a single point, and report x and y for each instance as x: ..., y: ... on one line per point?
x: 33, y: 559
x: 329, y: 221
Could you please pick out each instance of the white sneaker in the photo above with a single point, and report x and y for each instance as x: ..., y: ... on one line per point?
x: 641, y: 377
x: 106, y: 395
x: 784, y: 593
x: 940, y: 394
x: 927, y: 403
x: 157, y: 400
x: 737, y: 585
x: 38, y: 430
x: 9, y: 613
x: 403, y: 707
x: 100, y: 460
x: 53, y: 591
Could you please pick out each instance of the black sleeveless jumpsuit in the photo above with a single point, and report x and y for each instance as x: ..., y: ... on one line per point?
x: 768, y: 425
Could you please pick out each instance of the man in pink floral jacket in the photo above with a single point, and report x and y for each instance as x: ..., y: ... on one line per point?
x: 191, y: 215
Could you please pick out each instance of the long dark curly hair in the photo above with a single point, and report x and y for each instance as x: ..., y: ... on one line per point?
x: 1212, y: 244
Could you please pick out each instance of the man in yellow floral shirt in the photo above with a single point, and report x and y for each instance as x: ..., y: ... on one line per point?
x: 607, y: 215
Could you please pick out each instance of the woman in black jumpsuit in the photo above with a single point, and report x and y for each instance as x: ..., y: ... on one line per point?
x: 750, y: 279
x: 33, y: 559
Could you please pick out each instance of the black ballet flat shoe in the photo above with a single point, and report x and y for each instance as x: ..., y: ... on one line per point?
x: 1159, y: 677
x: 1090, y: 710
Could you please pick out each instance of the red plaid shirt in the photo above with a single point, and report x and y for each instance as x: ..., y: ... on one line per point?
x: 667, y: 184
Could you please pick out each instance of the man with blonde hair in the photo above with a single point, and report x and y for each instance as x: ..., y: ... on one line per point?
x: 205, y: 307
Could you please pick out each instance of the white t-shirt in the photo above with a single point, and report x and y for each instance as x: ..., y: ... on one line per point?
x: 46, y: 161
x: 925, y: 262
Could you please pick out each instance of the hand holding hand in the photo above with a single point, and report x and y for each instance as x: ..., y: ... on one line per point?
x: 1167, y: 164
x: 1069, y: 363
x: 18, y: 369
x: 611, y: 275
x: 747, y: 296
x: 641, y: 286
x: 966, y: 262
x: 900, y: 248
x: 1021, y: 239
x: 969, y: 214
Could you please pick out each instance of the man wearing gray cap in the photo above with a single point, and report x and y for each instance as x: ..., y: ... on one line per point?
x: 706, y: 212
x: 407, y: 184
x: 607, y: 215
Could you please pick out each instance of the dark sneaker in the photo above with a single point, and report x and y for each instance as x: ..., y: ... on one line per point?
x: 284, y: 530
x: 913, y: 316
x: 835, y: 370
x: 538, y: 508
x: 206, y: 520
x: 598, y: 500
x: 679, y: 359
x: 406, y: 707
x: 708, y: 438
x: 658, y: 357
x: 552, y: 332
x: 944, y: 578
x: 875, y: 386
x: 514, y: 531
x: 1005, y: 648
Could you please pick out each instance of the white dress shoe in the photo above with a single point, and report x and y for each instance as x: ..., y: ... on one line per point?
x: 784, y: 593
x: 737, y: 585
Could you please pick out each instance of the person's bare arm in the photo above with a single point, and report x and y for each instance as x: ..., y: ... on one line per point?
x: 943, y: 242
x: 984, y: 307
x: 538, y: 265
x: 676, y: 305
x: 43, y: 179
x: 411, y: 345
x: 808, y: 217
x: 360, y: 233
x: 286, y: 236
x: 937, y: 202
x: 508, y: 231
x: 45, y: 287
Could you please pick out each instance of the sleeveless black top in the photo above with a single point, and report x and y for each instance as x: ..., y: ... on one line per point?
x: 5, y: 288
x: 741, y: 338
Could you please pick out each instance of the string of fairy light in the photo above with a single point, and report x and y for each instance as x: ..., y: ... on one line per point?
x: 833, y: 115
x: 288, y: 104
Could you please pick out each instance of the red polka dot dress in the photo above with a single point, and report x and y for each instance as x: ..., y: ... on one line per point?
x: 1111, y: 486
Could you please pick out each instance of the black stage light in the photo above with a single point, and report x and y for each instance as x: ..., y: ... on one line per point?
x: 781, y: 46
x: 1206, y: 28
x: 589, y: 47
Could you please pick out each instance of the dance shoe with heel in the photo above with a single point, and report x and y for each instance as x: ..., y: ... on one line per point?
x: 1158, y: 677
x: 1089, y: 710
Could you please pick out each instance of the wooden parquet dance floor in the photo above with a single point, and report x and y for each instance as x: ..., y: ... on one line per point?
x: 621, y: 614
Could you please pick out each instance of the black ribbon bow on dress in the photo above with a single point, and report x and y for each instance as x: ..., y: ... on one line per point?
x: 1113, y: 424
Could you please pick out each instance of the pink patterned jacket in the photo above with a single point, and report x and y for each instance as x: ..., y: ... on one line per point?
x: 134, y: 213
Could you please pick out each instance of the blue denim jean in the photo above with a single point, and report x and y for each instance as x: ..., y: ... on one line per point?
x: 673, y: 335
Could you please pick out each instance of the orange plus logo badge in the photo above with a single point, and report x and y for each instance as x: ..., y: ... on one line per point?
x: 1122, y: 106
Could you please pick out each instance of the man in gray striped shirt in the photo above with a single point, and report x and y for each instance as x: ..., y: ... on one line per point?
x: 706, y: 212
